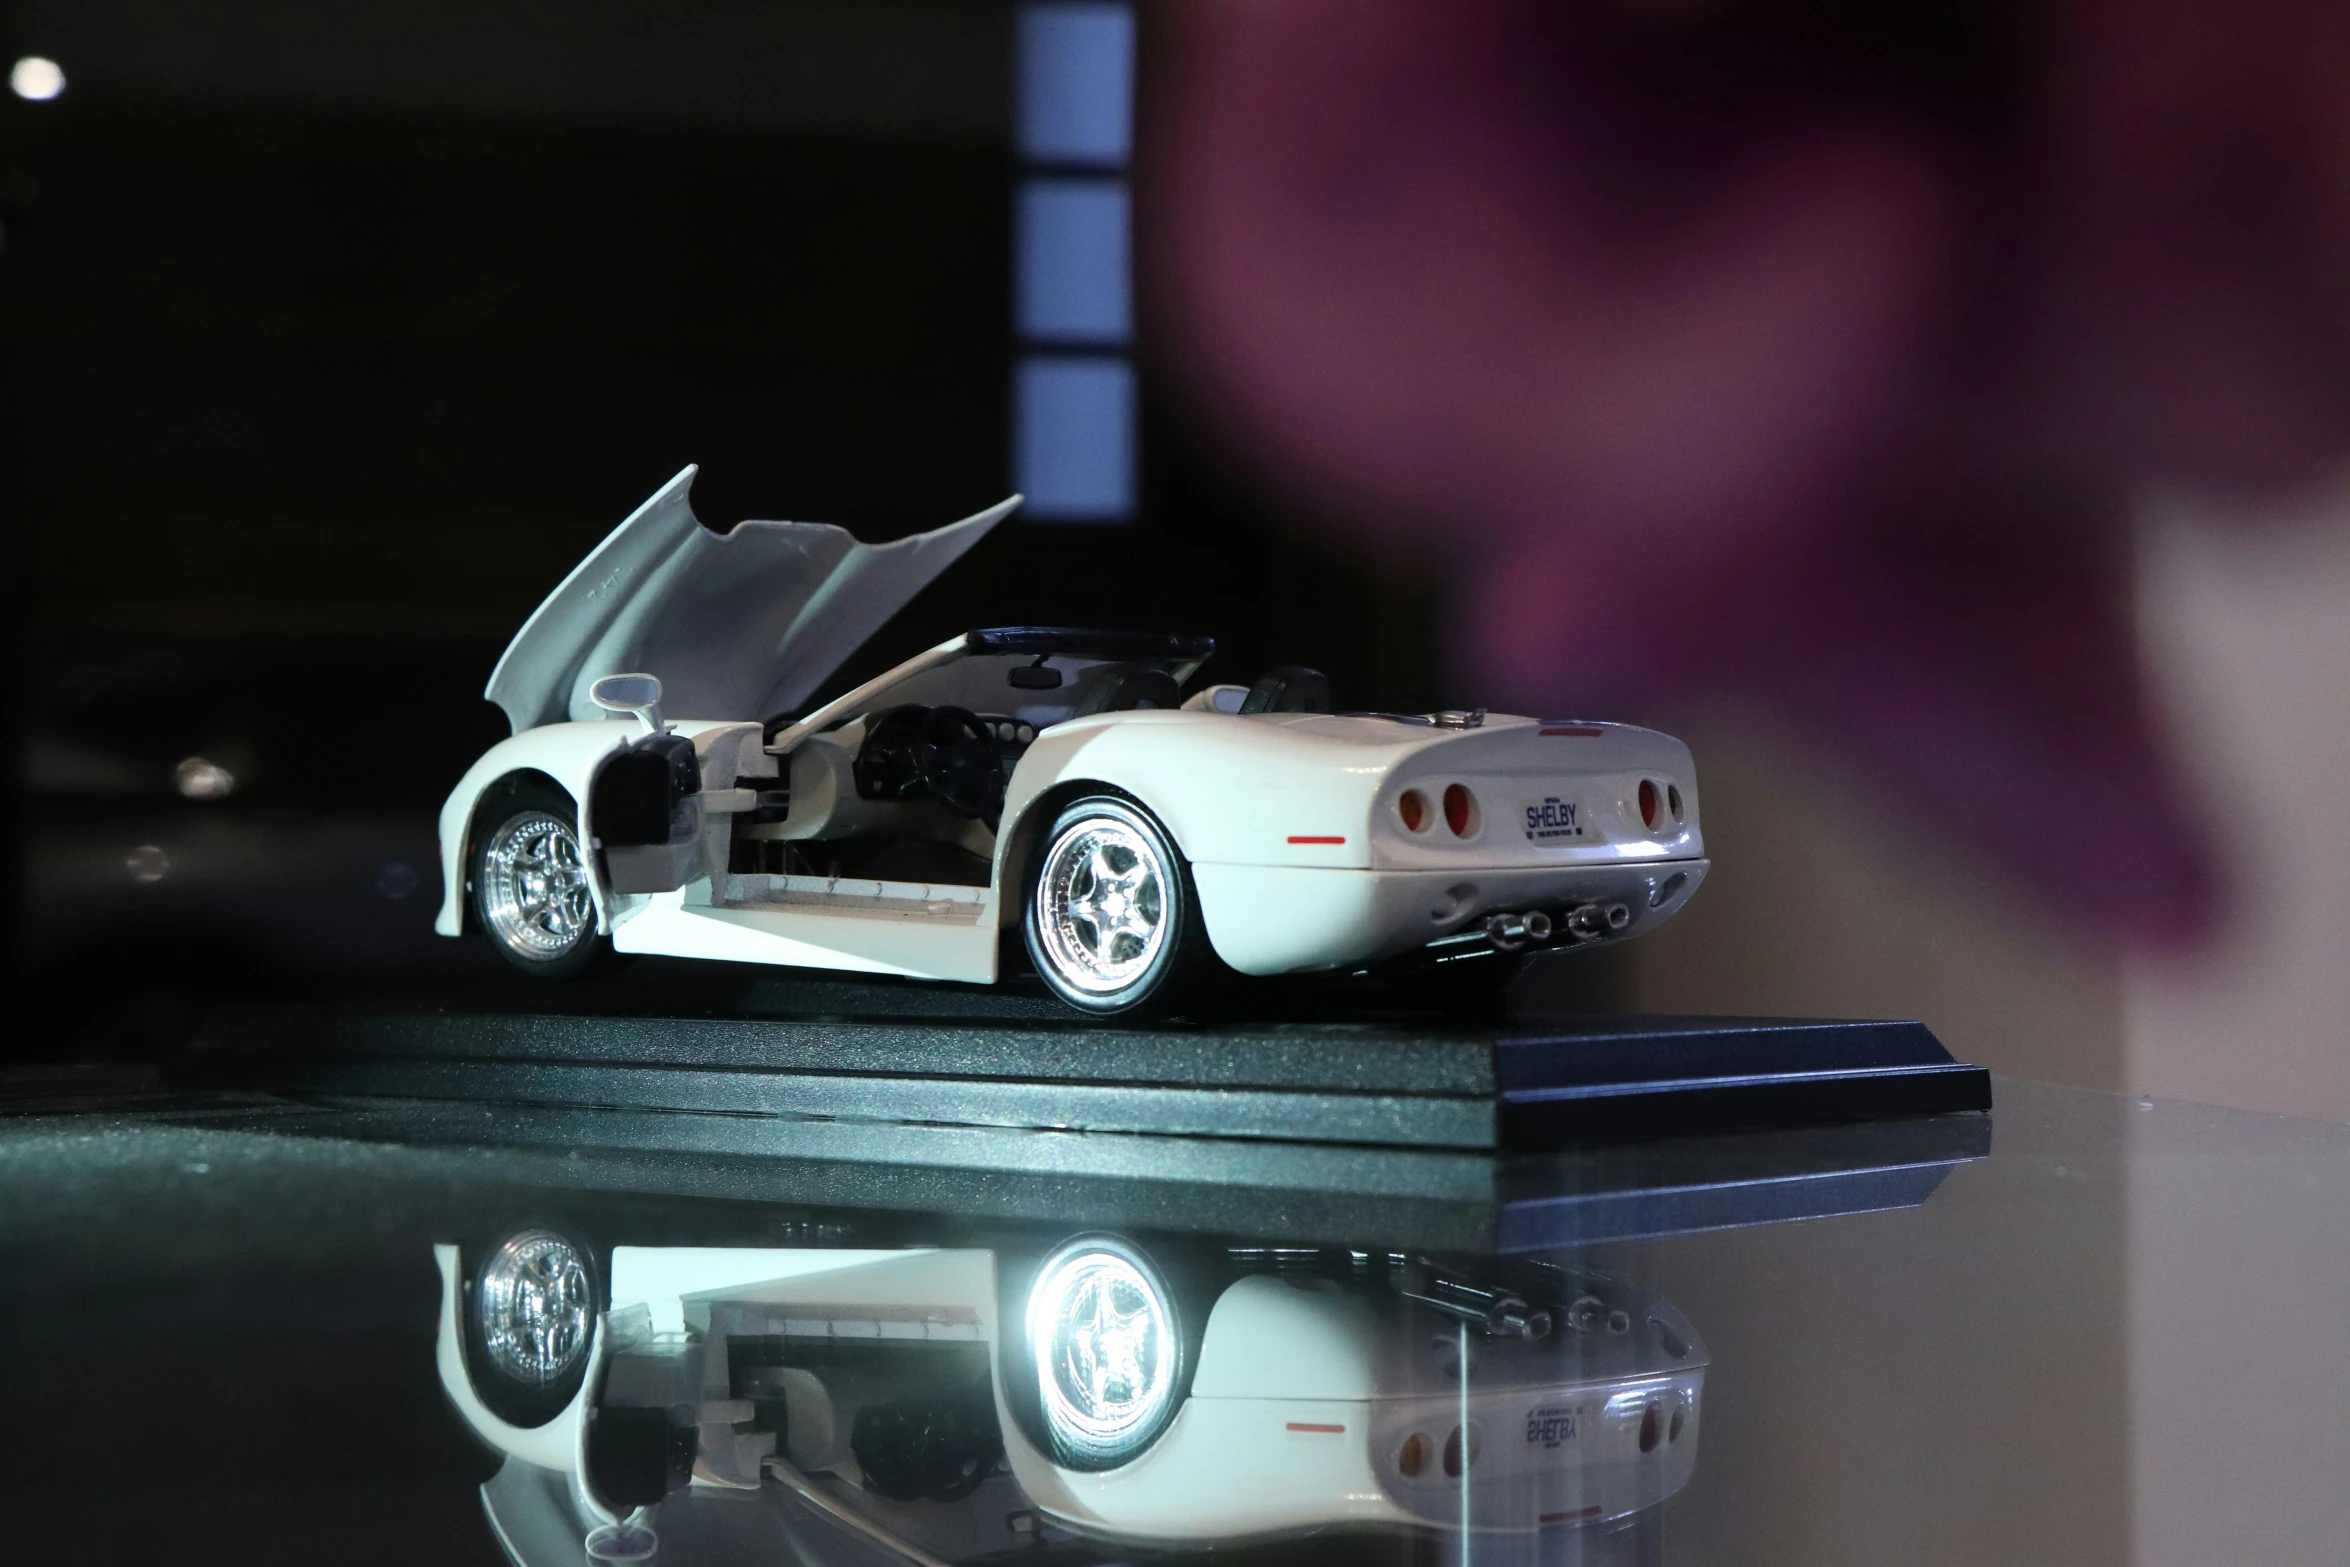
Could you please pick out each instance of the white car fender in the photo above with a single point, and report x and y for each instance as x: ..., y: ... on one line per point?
x: 567, y: 753
x: 1306, y: 790
x: 1232, y: 790
x: 570, y: 754
x: 559, y: 1446
x: 1302, y: 1402
x: 1289, y: 823
x: 1276, y: 1428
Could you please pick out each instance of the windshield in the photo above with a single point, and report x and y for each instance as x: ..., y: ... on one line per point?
x: 1034, y: 676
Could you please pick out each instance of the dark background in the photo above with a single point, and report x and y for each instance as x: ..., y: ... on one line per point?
x: 332, y: 337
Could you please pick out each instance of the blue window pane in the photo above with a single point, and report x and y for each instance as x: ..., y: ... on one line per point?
x: 1073, y: 265
x: 1073, y: 438
x: 1076, y: 64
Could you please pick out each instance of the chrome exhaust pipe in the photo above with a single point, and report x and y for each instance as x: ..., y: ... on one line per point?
x: 1511, y: 931
x: 1587, y: 922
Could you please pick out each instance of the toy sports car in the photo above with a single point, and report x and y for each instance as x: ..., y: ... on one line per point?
x: 1057, y: 780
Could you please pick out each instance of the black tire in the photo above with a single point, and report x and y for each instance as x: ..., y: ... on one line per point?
x: 510, y: 1394
x: 490, y: 880
x: 1102, y: 974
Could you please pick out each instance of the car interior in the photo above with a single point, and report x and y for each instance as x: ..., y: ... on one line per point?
x: 910, y: 788
x: 907, y: 787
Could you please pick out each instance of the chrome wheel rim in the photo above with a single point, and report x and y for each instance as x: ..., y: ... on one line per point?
x: 1102, y: 904
x: 537, y: 1307
x: 534, y: 886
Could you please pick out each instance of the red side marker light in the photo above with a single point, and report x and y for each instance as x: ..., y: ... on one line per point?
x: 1299, y: 837
x: 1307, y: 1425
x: 1582, y: 731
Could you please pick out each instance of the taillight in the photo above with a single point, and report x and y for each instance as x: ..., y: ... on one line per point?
x: 1413, y: 807
x: 1652, y: 805
x: 1414, y: 1456
x: 1673, y: 802
x: 1460, y: 810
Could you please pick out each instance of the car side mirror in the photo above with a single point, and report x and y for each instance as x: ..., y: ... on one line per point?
x: 638, y: 694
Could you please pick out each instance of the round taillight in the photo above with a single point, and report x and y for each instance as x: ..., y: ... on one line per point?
x: 1652, y: 804
x: 1460, y: 810
x: 1673, y: 801
x: 1459, y: 1455
x: 1412, y: 806
x: 1648, y: 1429
x: 1414, y: 1456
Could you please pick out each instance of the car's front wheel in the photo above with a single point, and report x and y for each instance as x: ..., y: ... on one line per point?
x: 529, y: 876
x: 1112, y: 921
x: 531, y: 1300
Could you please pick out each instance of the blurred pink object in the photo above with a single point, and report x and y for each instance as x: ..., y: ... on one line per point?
x: 1736, y: 351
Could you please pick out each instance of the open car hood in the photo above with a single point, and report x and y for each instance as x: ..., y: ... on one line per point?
x: 737, y: 625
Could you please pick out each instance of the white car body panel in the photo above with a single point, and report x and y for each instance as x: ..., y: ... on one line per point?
x: 1238, y: 791
x: 933, y: 938
x: 1301, y: 1403
x: 1232, y: 790
x: 557, y: 1447
x: 749, y: 622
x: 1241, y: 789
x: 1290, y: 821
x: 568, y: 753
x: 1286, y: 919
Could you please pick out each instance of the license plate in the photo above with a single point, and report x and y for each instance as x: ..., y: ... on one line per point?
x: 1553, y: 1426
x: 1554, y: 819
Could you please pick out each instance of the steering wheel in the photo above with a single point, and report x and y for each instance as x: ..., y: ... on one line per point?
x: 887, y: 767
x: 955, y: 757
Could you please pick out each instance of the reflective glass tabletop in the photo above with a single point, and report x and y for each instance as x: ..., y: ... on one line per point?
x: 2097, y: 1330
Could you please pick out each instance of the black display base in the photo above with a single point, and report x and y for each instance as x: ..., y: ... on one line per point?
x: 1518, y: 1086
x: 970, y: 1178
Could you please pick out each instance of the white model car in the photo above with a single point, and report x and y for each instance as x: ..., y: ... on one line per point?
x: 757, y: 1401
x: 1058, y: 780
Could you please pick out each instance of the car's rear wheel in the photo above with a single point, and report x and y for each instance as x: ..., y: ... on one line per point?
x: 1112, y: 921
x: 529, y: 875
x: 1099, y: 1341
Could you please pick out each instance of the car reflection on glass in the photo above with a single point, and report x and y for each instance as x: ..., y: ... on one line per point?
x: 948, y: 1404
